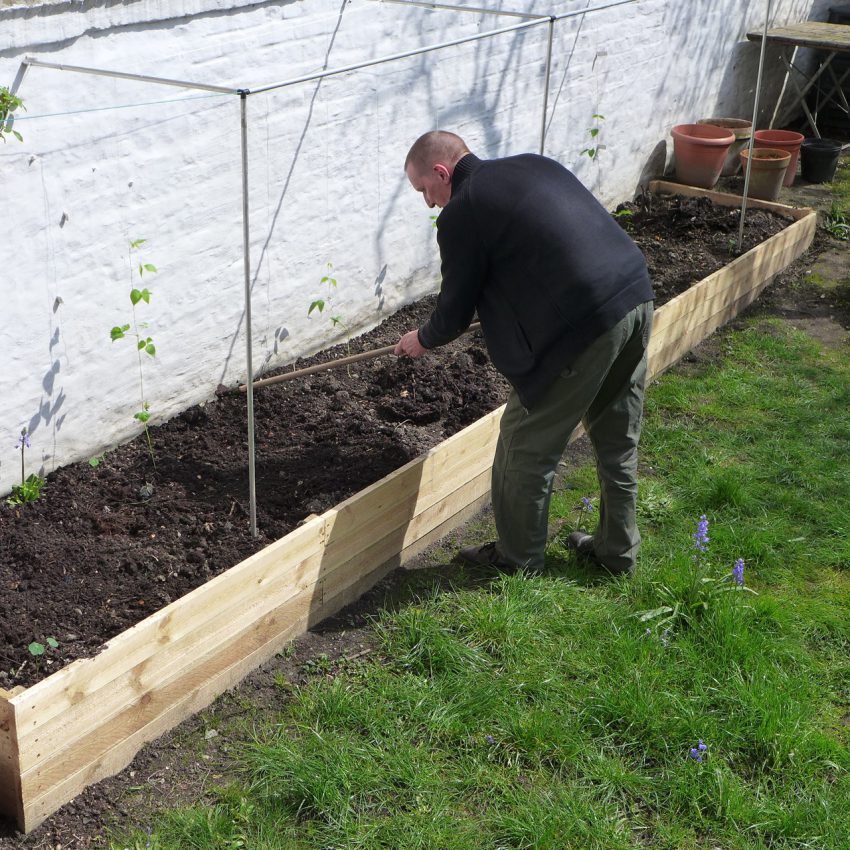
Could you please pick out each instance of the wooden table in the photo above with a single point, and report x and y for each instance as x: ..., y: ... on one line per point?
x: 832, y: 39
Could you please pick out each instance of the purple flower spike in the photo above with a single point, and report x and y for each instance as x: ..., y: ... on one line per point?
x: 701, y: 534
x: 23, y: 440
x: 738, y: 571
x: 697, y: 751
x: 586, y: 504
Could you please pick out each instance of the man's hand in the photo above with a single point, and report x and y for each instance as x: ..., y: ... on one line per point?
x: 409, y: 344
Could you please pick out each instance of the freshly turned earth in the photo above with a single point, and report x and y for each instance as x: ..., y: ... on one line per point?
x: 104, y: 547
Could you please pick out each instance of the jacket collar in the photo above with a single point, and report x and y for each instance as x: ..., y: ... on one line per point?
x: 465, y: 166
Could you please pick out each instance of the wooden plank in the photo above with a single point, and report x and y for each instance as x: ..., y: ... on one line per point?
x: 384, y: 549
x: 107, y: 749
x: 729, y: 283
x: 441, y: 472
x: 726, y: 199
x: 673, y: 349
x: 447, y: 526
x: 170, y: 665
x: 817, y: 35
x: 42, y: 737
x: 10, y: 783
x: 103, y: 752
x: 474, y: 452
x: 178, y: 658
x: 69, y: 686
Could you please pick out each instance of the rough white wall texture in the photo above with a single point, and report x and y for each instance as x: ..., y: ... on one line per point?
x: 105, y: 161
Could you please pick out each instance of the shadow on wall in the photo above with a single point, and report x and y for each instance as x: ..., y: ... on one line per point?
x: 653, y: 168
x: 486, y: 96
x: 282, y: 333
x: 47, y: 414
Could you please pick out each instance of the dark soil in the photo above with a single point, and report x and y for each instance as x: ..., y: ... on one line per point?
x: 105, y: 546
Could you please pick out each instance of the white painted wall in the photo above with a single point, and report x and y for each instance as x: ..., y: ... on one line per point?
x: 105, y: 161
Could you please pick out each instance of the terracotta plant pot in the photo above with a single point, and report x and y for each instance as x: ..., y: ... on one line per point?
x: 700, y: 150
x: 785, y: 140
x: 742, y: 129
x: 767, y: 171
x: 819, y: 159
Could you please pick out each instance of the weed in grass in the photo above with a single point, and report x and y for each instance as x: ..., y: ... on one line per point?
x: 655, y: 502
x: 836, y: 222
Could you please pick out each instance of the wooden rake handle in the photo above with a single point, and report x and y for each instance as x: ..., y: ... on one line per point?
x: 334, y: 364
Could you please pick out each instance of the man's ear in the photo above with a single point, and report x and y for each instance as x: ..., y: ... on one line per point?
x: 443, y: 173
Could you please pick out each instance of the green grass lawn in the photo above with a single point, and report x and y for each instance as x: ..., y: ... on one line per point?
x: 677, y: 709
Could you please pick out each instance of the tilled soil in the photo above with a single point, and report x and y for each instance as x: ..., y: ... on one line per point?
x: 99, y: 552
x: 106, y: 546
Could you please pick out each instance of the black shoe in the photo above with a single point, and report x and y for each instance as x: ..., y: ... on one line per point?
x: 485, y: 555
x: 583, y: 545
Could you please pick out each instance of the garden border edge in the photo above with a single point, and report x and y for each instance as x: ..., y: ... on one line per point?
x: 88, y: 720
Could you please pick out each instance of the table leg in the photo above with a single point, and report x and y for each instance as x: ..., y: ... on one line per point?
x: 801, y: 92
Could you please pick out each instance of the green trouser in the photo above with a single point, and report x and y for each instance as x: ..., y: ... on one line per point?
x: 604, y: 390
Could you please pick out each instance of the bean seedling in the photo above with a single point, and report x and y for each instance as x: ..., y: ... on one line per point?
x: 8, y: 104
x: 143, y: 344
x: 320, y: 303
x: 593, y: 151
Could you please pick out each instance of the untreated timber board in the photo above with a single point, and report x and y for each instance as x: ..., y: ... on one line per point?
x: 89, y: 719
x: 98, y: 712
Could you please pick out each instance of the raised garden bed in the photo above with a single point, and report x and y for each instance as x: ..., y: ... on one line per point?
x: 88, y: 719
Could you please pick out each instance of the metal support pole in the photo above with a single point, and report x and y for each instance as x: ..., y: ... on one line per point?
x: 451, y: 8
x: 546, y: 86
x: 506, y: 12
x: 578, y: 12
x: 19, y: 77
x: 246, y: 252
x: 100, y: 72
x: 753, y: 133
x: 418, y: 51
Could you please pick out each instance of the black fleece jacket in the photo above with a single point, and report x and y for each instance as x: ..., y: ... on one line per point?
x: 544, y: 264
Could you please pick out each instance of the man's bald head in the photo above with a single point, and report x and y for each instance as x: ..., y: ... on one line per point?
x: 436, y: 147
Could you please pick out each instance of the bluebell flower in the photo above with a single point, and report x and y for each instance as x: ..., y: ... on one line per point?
x: 697, y: 751
x: 587, y: 505
x: 490, y: 739
x: 701, y: 534
x: 738, y: 571
x: 23, y: 440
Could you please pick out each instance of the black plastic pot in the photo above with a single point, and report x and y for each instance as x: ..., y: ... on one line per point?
x: 818, y: 159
